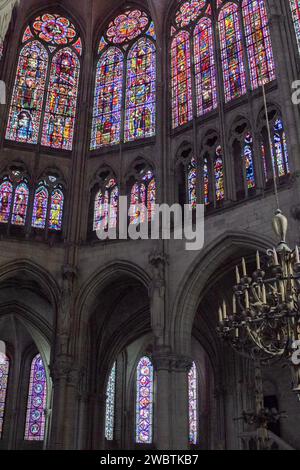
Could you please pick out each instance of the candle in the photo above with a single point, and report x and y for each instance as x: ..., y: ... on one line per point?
x: 234, y: 304
x: 282, y: 292
x: 297, y: 255
x: 220, y: 315
x: 276, y: 262
x: 237, y: 333
x: 244, y: 267
x: 238, y: 277
x: 257, y: 260
x: 264, y: 294
x: 247, y: 302
x: 224, y: 310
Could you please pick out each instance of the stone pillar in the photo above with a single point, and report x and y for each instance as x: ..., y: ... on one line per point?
x: 66, y: 378
x: 171, y: 427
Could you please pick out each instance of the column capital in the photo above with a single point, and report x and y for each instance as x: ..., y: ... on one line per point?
x: 171, y: 362
x: 64, y: 369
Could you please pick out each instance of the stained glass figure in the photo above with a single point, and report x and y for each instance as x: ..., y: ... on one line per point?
x: 142, y: 199
x: 205, y: 68
x: 281, y: 151
x: 295, y: 8
x: 127, y: 26
x: 20, y: 204
x: 258, y: 40
x: 232, y: 52
x: 182, y: 110
x: 59, y: 121
x: 6, y: 193
x: 219, y: 175
x: 4, y: 371
x: 110, y: 404
x: 193, y: 405
x: 249, y: 161
x: 40, y: 206
x: 56, y: 210
x: 192, y: 183
x: 27, y: 98
x: 106, y: 207
x: 36, y: 403
x: 188, y: 12
x: 144, y: 401
x: 141, y: 90
x: 108, y: 99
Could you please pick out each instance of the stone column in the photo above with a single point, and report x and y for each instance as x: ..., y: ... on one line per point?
x: 171, y: 428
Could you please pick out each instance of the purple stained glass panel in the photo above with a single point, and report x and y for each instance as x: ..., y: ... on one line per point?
x: 144, y: 401
x: 36, y: 404
x: 193, y: 405
x: 4, y: 370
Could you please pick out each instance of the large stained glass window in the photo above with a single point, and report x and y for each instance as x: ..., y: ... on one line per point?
x: 205, y: 68
x: 4, y: 371
x: 106, y: 207
x: 141, y: 85
x: 142, y: 199
x: 36, y: 403
x: 258, y: 40
x: 29, y: 105
x: 108, y: 99
x: 110, y: 404
x: 232, y: 52
x: 6, y: 195
x: 125, y: 89
x: 206, y: 176
x: 28, y: 93
x: 188, y: 12
x: 59, y: 121
x: 295, y: 7
x: 193, y: 404
x: 182, y: 106
x: 144, y: 401
x: 48, y: 207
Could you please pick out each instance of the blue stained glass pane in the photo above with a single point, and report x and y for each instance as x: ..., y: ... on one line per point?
x: 193, y: 405
x: 110, y: 405
x: 36, y: 404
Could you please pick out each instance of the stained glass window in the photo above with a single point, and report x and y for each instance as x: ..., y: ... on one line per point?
x: 120, y: 58
x: 219, y: 175
x: 110, y: 404
x: 6, y: 193
x: 188, y: 12
x: 42, y: 38
x: 206, y: 182
x: 40, y: 206
x: 258, y: 40
x: 36, y: 404
x: 249, y: 161
x: 232, y: 52
x: 192, y: 183
x: 4, y: 371
x: 20, y: 204
x: 108, y: 99
x: 182, y: 111
x: 27, y: 99
x: 142, y: 199
x: 60, y: 113
x: 295, y: 7
x: 144, y: 401
x: 281, y: 152
x: 205, y: 68
x: 106, y: 207
x: 56, y: 210
x: 141, y: 85
x: 193, y: 405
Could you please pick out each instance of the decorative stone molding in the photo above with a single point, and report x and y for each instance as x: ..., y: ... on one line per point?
x: 164, y: 360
